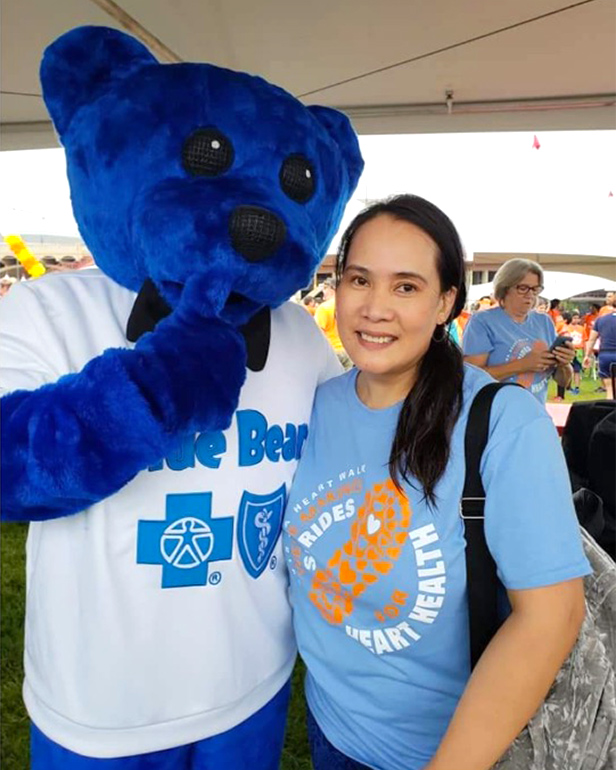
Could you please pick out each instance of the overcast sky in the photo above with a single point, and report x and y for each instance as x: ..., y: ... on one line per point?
x: 502, y: 193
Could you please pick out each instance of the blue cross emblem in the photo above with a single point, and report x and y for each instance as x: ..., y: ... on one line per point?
x: 187, y: 541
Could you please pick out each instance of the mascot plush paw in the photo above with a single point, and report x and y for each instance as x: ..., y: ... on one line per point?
x: 155, y: 407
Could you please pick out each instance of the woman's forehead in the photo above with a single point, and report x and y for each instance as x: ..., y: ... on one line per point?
x: 532, y: 279
x: 391, y: 245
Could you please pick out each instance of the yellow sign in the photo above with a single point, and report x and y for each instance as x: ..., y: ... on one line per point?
x: 27, y: 259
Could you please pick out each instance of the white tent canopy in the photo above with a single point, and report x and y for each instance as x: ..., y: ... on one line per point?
x: 396, y: 66
x: 557, y: 285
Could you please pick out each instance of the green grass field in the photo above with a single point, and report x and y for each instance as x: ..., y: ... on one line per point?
x: 588, y: 391
x: 14, y: 724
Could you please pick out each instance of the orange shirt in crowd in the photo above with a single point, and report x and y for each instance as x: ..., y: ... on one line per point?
x: 576, y: 332
x: 559, y: 321
x: 460, y: 322
x: 606, y: 309
x: 325, y: 317
x: 589, y: 320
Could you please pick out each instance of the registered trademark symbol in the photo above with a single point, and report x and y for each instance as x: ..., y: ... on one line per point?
x: 273, y: 562
x: 215, y: 578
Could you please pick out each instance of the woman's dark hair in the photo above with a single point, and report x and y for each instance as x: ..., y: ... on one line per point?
x: 554, y: 303
x: 421, y: 445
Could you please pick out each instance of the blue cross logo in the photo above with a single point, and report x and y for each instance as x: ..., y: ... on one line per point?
x: 187, y: 541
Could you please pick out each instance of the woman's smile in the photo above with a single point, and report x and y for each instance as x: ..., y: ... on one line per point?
x: 375, y: 340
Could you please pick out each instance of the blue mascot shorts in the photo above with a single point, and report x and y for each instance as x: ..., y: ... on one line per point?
x: 255, y: 744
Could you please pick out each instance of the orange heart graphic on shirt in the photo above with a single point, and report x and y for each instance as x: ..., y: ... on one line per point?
x: 381, y: 528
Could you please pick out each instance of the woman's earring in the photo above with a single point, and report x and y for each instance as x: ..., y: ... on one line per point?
x: 443, y: 335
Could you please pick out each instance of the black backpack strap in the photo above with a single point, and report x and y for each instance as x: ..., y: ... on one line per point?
x: 481, y: 578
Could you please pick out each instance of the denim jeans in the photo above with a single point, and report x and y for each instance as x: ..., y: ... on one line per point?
x: 324, y: 755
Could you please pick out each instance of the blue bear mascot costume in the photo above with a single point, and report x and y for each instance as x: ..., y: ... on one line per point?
x: 155, y: 407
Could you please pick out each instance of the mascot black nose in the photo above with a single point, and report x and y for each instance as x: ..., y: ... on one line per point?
x: 255, y: 232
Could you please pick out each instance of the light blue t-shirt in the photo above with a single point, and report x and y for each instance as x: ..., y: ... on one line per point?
x: 494, y: 332
x: 378, y: 580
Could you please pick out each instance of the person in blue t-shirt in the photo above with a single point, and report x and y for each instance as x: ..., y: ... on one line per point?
x: 374, y: 541
x: 604, y: 329
x: 511, y: 341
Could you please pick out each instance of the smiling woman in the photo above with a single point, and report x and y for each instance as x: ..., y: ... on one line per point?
x: 387, y: 311
x: 401, y: 279
x: 374, y: 538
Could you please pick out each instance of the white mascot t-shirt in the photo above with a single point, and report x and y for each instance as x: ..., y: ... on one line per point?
x: 159, y: 616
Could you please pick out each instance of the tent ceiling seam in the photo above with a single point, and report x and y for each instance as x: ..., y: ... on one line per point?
x: 444, y: 49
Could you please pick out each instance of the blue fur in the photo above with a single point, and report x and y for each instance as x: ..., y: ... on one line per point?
x: 73, y: 443
x: 123, y: 135
x: 123, y: 119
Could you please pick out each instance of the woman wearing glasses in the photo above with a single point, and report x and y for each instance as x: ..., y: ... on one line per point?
x: 512, y: 341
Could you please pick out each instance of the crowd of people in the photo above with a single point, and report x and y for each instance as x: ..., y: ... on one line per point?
x: 511, y: 343
x: 593, y: 345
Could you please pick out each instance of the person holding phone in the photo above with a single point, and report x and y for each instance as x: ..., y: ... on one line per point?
x: 513, y: 342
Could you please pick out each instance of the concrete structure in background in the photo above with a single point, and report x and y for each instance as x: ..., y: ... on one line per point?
x: 484, y: 265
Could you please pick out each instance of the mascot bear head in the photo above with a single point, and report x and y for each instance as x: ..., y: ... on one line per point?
x: 177, y: 169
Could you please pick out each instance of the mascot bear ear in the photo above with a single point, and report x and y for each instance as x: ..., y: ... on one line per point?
x: 341, y: 131
x: 79, y: 65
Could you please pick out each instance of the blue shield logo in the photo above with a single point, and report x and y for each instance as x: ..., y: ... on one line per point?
x: 258, y: 526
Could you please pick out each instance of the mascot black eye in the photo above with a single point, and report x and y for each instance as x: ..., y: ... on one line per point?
x: 207, y: 152
x: 297, y: 178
